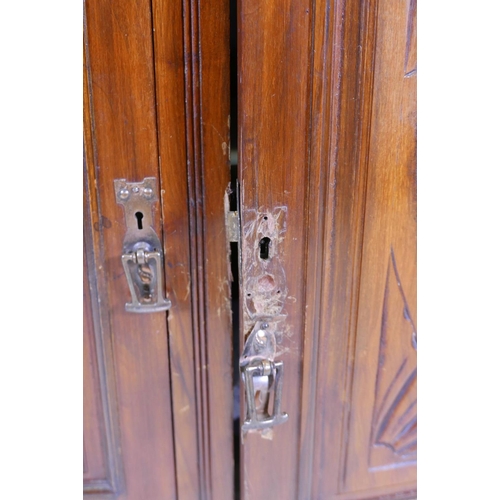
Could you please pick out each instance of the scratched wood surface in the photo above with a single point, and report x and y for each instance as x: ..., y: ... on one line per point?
x: 273, y: 57
x: 328, y: 130
x: 192, y: 85
x: 327, y: 140
x: 145, y: 115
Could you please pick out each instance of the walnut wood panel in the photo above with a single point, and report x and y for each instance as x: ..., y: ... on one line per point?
x: 338, y: 150
x: 273, y: 65
x: 192, y: 85
x: 94, y: 452
x: 384, y: 451
x: 363, y: 366
x: 171, y: 117
x: 393, y: 437
x: 340, y: 141
x: 159, y: 105
x: 210, y: 158
x: 101, y: 463
x: 122, y: 143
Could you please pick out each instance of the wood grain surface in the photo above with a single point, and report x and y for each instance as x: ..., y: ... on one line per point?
x: 146, y: 115
x: 337, y: 148
x: 327, y: 143
x: 273, y: 68
x: 123, y: 144
x: 192, y: 85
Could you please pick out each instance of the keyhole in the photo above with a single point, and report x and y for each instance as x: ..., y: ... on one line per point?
x: 264, y: 248
x: 139, y: 216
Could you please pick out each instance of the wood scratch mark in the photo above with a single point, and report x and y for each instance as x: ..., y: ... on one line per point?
x: 188, y: 288
x: 218, y: 133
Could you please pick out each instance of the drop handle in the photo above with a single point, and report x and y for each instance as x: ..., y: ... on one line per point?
x: 262, y: 378
x: 264, y: 292
x: 142, y: 256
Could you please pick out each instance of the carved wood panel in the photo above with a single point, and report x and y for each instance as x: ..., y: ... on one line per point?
x: 327, y: 129
x: 380, y: 421
x: 350, y: 258
x: 394, y: 421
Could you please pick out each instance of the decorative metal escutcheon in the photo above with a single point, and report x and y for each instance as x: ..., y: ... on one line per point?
x: 142, y: 256
x: 262, y: 377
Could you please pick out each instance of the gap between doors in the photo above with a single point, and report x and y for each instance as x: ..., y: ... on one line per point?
x: 233, y: 206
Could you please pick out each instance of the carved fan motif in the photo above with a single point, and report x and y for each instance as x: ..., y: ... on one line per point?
x: 394, y: 423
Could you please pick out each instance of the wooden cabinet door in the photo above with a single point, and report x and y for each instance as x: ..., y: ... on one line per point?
x: 327, y: 154
x: 158, y: 386
x: 327, y: 205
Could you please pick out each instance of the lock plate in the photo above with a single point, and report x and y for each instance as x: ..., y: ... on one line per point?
x: 142, y: 256
x: 264, y: 295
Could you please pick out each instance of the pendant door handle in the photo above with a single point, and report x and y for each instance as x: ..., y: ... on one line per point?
x: 262, y: 377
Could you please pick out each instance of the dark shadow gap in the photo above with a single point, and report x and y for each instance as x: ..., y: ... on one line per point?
x: 233, y: 206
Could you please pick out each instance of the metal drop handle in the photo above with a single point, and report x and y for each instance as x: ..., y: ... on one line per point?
x: 262, y: 377
x: 265, y: 293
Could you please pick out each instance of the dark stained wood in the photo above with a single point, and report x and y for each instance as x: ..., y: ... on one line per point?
x: 341, y: 139
x: 273, y: 107
x: 157, y: 104
x: 101, y: 463
x: 192, y: 84
x: 171, y: 115
x: 169, y: 72
x: 371, y: 209
x: 94, y: 456
x: 382, y: 426
x: 95, y: 468
x: 327, y: 136
x: 101, y: 424
x: 123, y: 144
x: 213, y: 174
